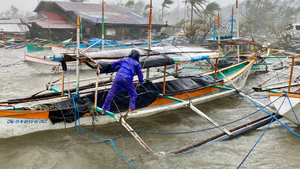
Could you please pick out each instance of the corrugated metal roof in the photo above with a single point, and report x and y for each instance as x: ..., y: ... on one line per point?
x: 10, y: 21
x: 54, y: 16
x: 12, y: 26
x: 112, y: 13
x: 55, y: 21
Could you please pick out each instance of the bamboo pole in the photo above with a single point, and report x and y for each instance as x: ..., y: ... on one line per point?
x: 1, y: 105
x: 215, y: 27
x: 136, y: 136
x: 127, y: 126
x: 216, y: 69
x: 198, y: 112
x: 219, y: 33
x: 149, y: 38
x: 291, y: 74
x: 176, y: 68
x: 63, y: 82
x: 237, y: 30
x: 255, y: 52
x: 164, y: 85
x: 103, y: 25
x: 231, y: 32
x: 235, y: 131
x: 69, y: 93
x: 96, y: 88
x: 77, y: 56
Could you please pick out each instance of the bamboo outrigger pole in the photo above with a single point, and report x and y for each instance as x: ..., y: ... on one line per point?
x: 77, y: 55
x: 126, y: 125
x: 198, y: 112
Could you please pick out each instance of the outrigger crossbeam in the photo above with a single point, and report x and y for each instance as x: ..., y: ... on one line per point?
x: 198, y: 112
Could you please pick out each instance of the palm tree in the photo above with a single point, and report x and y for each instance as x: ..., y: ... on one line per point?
x: 209, y: 13
x: 146, y: 12
x: 164, y: 5
x: 129, y: 4
x: 211, y: 8
x: 196, y: 6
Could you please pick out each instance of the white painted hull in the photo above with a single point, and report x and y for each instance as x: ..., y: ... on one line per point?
x: 48, y: 66
x: 10, y: 127
x: 285, y: 108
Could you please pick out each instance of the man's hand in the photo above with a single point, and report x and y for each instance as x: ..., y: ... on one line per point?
x: 139, y: 84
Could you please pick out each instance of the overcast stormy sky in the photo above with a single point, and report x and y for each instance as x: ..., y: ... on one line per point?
x: 29, y: 5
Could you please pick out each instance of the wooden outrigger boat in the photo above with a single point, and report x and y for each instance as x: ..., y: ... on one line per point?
x: 237, y: 49
x: 152, y: 97
x: 50, y: 64
x: 287, y: 104
x: 169, y: 93
x: 34, y: 48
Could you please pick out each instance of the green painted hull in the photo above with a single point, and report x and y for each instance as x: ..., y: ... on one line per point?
x: 33, y: 48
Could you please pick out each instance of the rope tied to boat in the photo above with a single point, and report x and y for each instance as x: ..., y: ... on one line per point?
x: 273, y: 118
x: 78, y: 128
x: 292, y: 108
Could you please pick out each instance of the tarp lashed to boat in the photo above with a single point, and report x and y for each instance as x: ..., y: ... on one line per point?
x: 157, y: 56
x: 147, y: 94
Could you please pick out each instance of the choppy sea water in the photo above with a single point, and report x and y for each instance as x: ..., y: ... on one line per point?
x: 67, y: 148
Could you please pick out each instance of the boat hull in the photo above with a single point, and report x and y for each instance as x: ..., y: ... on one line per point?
x: 11, y: 126
x: 20, y: 122
x: 284, y: 104
x: 34, y: 48
x: 48, y: 66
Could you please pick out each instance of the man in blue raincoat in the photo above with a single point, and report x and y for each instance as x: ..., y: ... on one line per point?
x: 129, y: 66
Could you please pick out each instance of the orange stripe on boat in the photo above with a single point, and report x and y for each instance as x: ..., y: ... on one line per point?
x: 183, y: 96
x: 25, y: 114
x: 281, y: 94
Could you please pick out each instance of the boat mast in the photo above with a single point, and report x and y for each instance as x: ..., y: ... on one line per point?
x: 231, y: 32
x: 291, y: 73
x: 215, y: 27
x: 77, y: 55
x: 102, y: 24
x: 149, y: 37
x: 219, y: 33
x: 237, y: 30
x: 150, y: 26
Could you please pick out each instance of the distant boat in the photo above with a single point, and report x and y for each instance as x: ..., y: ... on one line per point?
x: 35, y: 47
x: 49, y: 64
x: 38, y: 45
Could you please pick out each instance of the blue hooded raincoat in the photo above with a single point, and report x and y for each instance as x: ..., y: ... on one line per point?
x: 124, y: 80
